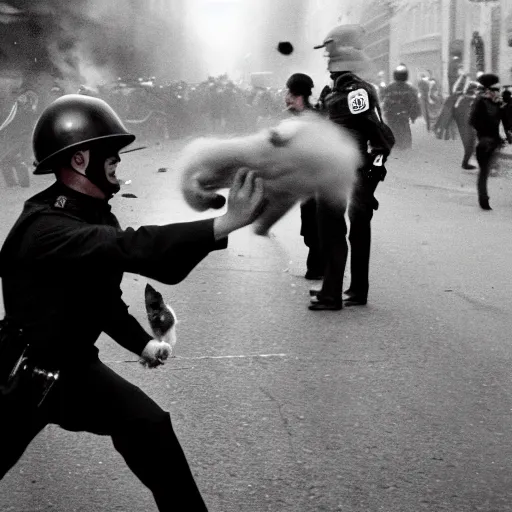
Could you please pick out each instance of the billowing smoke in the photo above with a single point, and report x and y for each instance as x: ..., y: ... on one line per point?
x: 91, y: 42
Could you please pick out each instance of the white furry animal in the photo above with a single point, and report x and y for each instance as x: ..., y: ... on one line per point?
x: 162, y: 319
x: 297, y: 158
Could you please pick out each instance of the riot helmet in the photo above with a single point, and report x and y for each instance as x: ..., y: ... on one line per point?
x: 344, y: 47
x: 401, y: 73
x: 73, y: 122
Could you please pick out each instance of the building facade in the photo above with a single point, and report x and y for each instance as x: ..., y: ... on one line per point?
x: 376, y: 21
x: 416, y: 38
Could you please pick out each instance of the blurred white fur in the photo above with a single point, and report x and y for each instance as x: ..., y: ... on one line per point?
x: 299, y: 157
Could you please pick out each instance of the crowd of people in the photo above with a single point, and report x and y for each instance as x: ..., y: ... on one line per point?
x: 153, y: 110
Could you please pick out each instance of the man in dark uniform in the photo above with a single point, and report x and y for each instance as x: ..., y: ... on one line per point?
x: 353, y: 104
x: 401, y: 106
x: 61, y: 268
x: 486, y: 115
x: 299, y: 89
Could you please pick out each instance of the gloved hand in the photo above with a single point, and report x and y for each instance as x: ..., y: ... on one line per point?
x: 155, y: 353
x: 376, y: 170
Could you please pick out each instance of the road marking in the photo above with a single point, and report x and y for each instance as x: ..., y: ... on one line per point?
x: 241, y: 356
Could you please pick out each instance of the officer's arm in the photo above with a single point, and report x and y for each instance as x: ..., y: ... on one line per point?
x: 374, y: 131
x: 165, y: 253
x: 124, y: 328
x: 370, y: 124
x: 476, y: 114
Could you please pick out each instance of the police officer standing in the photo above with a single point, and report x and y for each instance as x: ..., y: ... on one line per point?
x: 299, y: 89
x: 353, y: 104
x: 486, y: 115
x: 401, y: 106
x: 61, y: 268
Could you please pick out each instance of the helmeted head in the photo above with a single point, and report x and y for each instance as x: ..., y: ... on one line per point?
x: 344, y: 48
x: 489, y: 81
x: 401, y: 73
x: 299, y: 87
x: 75, y: 124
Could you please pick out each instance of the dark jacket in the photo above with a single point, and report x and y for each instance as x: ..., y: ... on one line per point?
x: 401, y: 99
x: 352, y: 104
x: 486, y: 115
x: 62, y: 265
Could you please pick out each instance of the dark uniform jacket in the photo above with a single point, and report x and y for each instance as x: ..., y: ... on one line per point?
x: 401, y: 99
x: 62, y: 265
x: 352, y: 104
x: 487, y: 114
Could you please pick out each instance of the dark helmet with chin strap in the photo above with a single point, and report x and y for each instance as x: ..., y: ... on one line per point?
x: 401, y: 73
x: 73, y: 122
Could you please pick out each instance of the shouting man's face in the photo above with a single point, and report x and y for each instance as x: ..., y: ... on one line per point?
x: 110, y: 169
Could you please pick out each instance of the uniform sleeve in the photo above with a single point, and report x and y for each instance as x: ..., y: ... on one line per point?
x: 165, y: 253
x: 475, y: 116
x: 124, y: 328
x: 373, y: 127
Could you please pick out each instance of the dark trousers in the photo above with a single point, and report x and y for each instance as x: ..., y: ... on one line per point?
x: 309, y: 230
x: 466, y: 131
x: 333, y: 236
x: 401, y: 129
x: 485, y: 151
x: 95, y: 399
x: 425, y: 111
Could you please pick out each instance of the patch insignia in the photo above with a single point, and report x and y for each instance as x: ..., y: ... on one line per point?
x: 358, y: 101
x: 60, y: 202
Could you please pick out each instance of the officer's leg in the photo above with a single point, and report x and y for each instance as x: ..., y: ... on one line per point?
x: 360, y: 213
x: 18, y: 427
x: 407, y: 134
x: 333, y: 239
x: 99, y: 401
x: 309, y: 230
x: 484, y: 152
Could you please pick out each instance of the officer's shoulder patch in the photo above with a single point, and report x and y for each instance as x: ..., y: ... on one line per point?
x: 358, y: 101
x: 60, y: 202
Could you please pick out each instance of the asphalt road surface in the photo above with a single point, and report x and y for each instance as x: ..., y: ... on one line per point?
x: 400, y: 406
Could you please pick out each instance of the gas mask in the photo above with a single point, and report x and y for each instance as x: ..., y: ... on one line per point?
x: 100, y: 169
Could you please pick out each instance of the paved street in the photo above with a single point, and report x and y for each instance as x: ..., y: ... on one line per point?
x: 401, y: 406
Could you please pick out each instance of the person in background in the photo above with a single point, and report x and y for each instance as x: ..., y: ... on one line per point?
x: 299, y: 88
x: 401, y: 106
x: 487, y: 114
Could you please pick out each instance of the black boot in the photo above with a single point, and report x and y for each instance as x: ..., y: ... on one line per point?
x: 484, y: 203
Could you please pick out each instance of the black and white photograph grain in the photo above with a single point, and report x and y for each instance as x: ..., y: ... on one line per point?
x: 256, y: 255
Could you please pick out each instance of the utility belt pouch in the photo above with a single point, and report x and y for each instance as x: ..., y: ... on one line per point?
x: 12, y: 352
x: 20, y: 378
